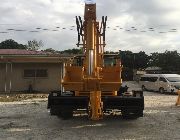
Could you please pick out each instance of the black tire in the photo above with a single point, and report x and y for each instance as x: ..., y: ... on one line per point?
x: 143, y: 88
x: 66, y: 114
x: 131, y: 114
x: 161, y: 90
x: 54, y: 111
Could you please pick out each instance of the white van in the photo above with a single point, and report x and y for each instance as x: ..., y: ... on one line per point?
x: 160, y: 82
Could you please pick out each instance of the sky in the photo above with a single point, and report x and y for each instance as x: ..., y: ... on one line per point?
x: 135, y: 25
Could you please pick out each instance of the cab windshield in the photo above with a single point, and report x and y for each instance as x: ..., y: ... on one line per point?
x: 173, y: 79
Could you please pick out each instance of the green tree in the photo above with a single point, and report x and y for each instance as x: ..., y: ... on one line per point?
x: 127, y: 59
x: 110, y: 52
x: 168, y: 61
x: 34, y: 45
x: 140, y: 60
x: 11, y: 44
x: 73, y: 51
x: 50, y: 50
x: 132, y: 61
x: 154, y: 59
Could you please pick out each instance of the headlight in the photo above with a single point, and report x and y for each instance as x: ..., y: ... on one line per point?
x: 171, y: 86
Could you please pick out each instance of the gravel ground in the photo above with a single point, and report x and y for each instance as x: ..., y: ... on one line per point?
x: 30, y: 120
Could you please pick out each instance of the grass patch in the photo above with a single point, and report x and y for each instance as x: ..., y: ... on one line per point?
x: 20, y: 96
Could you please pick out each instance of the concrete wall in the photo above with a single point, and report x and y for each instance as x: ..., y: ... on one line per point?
x: 15, y: 81
x: 2, y: 77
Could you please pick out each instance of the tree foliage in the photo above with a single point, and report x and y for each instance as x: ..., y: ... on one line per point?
x: 168, y: 61
x: 50, y: 50
x: 34, y: 45
x: 72, y: 51
x: 134, y: 60
x: 141, y: 60
x: 11, y: 44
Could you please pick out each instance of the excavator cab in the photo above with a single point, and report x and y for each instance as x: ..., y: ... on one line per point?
x: 108, y: 60
x: 78, y: 60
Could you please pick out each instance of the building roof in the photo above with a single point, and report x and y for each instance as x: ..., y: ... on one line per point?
x: 22, y: 52
x: 25, y: 56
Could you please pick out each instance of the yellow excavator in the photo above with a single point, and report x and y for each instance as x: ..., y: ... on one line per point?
x: 92, y: 81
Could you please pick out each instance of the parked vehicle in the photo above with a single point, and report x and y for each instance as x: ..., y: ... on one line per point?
x: 160, y: 82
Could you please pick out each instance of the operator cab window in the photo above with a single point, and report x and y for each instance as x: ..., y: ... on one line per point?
x: 110, y: 60
x: 78, y: 61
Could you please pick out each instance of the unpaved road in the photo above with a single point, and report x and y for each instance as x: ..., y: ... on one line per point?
x: 30, y: 120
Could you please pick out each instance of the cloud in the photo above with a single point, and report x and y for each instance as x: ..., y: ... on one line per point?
x: 161, y: 15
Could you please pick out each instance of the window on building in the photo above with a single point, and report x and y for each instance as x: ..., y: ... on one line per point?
x: 29, y: 73
x: 41, y: 73
x: 38, y: 73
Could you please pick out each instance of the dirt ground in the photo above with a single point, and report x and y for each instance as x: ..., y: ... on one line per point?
x: 30, y: 120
